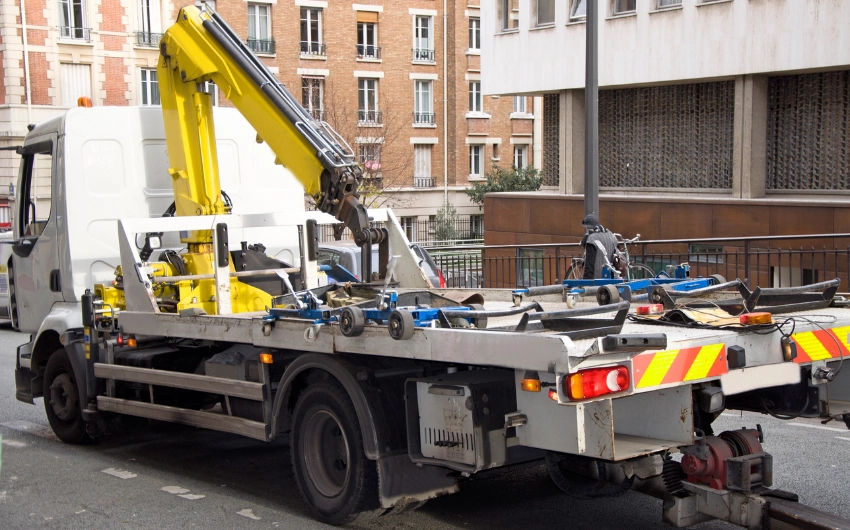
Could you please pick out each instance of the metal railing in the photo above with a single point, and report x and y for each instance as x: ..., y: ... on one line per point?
x: 372, y: 117
x: 424, y: 118
x: 467, y: 231
x: 261, y: 46
x: 313, y: 48
x: 773, y: 261
x: 422, y: 54
x: 424, y: 182
x: 367, y: 51
x: 73, y: 32
x: 148, y: 39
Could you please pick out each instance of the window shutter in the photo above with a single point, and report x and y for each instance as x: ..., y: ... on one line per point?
x: 367, y: 16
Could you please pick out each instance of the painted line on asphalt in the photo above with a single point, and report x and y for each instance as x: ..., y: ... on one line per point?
x: 31, y: 428
x: 192, y: 497
x: 120, y: 473
x: 14, y: 443
x: 843, y: 438
x: 821, y: 427
x: 176, y: 490
x: 249, y: 513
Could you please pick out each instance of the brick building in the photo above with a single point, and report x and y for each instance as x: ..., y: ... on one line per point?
x: 401, y: 81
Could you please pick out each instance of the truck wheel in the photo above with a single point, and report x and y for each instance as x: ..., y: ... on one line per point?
x: 335, y: 478
x: 607, y: 294
x: 400, y: 324
x: 62, y: 400
x: 351, y: 321
x: 575, y: 477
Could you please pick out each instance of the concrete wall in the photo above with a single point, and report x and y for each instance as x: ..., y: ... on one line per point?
x: 695, y: 41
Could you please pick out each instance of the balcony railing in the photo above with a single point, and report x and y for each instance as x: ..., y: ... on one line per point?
x: 261, y: 46
x: 421, y: 54
x: 368, y: 52
x: 423, y: 118
x: 424, y: 182
x: 372, y: 117
x: 313, y: 48
x: 72, y: 32
x: 148, y: 39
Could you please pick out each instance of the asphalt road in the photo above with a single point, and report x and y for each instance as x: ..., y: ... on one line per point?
x: 178, y: 477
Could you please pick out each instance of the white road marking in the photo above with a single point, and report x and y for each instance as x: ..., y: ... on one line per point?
x: 729, y: 415
x: 30, y: 427
x: 843, y: 438
x: 817, y: 427
x: 120, y: 473
x: 249, y: 513
x: 192, y: 497
x: 79, y: 512
x: 14, y: 443
x: 176, y: 490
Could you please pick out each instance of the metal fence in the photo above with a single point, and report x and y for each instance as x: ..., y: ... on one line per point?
x: 465, y: 231
x: 777, y: 261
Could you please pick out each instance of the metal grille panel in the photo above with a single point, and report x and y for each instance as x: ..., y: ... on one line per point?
x: 678, y: 136
x: 808, y: 132
x: 551, y: 139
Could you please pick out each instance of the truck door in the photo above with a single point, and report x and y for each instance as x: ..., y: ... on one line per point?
x: 35, y: 250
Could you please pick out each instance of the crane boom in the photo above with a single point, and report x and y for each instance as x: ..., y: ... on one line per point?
x: 201, y: 47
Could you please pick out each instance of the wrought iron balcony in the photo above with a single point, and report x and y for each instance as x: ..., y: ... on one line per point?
x: 365, y: 51
x: 261, y: 46
x: 148, y: 39
x: 422, y: 54
x: 423, y: 118
x: 73, y: 32
x: 369, y: 117
x: 424, y: 182
x: 313, y: 48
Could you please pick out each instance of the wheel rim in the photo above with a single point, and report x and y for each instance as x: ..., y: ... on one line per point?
x: 346, y: 322
x: 326, y: 453
x: 63, y: 397
x: 395, y: 326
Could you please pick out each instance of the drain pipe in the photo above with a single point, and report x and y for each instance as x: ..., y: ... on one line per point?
x: 26, y: 61
x: 445, y: 110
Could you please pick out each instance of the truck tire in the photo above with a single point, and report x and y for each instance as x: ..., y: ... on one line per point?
x: 62, y: 400
x: 335, y: 478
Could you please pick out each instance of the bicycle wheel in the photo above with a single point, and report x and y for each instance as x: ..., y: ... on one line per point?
x: 576, y: 270
x: 639, y: 271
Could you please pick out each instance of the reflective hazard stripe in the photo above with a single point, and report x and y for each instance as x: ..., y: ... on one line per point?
x: 678, y: 366
x: 821, y: 344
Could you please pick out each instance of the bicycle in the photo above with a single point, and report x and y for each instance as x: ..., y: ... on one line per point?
x: 634, y: 271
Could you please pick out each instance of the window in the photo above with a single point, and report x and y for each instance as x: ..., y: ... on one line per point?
x: 519, y: 104
x: 367, y: 35
x: 510, y: 14
x: 545, y: 12
x: 36, y: 172
x: 423, y: 44
x: 369, y: 156
x: 520, y: 156
x: 668, y: 3
x: 578, y: 10
x: 149, y: 87
x: 476, y: 152
x: 476, y: 226
x: 423, y: 102
x: 408, y: 224
x: 150, y: 28
x: 312, y: 90
x: 367, y: 101
x: 624, y: 6
x: 311, y: 31
x: 474, y: 33
x: 75, y: 82
x: 475, y: 103
x: 72, y: 16
x: 422, y: 166
x: 259, y: 29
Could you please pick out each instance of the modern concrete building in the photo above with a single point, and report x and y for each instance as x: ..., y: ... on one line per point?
x: 717, y: 118
x: 400, y: 80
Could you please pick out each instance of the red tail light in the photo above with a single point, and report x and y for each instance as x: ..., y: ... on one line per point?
x: 442, y: 280
x: 596, y: 382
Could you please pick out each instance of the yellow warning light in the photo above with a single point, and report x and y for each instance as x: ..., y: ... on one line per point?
x: 756, y: 318
x: 530, y: 385
x: 266, y: 358
x: 131, y: 342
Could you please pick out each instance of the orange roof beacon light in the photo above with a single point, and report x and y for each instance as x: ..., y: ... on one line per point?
x: 84, y: 101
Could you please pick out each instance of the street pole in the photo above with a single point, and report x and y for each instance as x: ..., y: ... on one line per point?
x: 591, y: 106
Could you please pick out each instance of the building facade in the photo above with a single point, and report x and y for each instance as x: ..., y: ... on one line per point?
x: 701, y: 102
x: 400, y: 81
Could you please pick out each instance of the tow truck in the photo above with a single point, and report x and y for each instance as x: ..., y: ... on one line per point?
x: 212, y: 315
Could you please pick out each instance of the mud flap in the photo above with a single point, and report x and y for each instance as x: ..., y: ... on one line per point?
x: 404, y: 485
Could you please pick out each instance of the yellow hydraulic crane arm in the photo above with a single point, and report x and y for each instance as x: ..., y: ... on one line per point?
x: 201, y: 47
